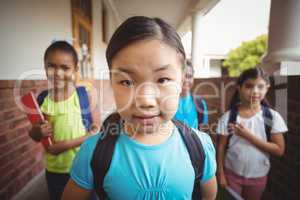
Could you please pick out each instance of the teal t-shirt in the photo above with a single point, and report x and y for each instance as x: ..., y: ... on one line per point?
x: 187, y: 112
x: 138, y: 171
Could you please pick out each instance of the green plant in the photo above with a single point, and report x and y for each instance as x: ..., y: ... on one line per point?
x: 246, y: 56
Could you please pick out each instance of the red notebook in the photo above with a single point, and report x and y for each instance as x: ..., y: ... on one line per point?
x: 34, y: 114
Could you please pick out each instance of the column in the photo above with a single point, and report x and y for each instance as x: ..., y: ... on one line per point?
x: 197, y: 53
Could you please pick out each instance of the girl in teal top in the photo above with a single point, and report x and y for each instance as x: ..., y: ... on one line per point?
x: 192, y: 109
x: 150, y: 161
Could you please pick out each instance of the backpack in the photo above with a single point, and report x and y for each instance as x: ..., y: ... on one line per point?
x: 267, y: 115
x: 83, y: 101
x: 103, y: 153
x: 201, y: 110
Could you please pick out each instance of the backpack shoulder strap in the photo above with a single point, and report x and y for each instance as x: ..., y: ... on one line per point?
x: 196, y: 153
x: 233, y: 113
x: 84, y: 107
x: 199, y: 108
x: 205, y: 111
x: 103, y: 152
x: 268, y: 121
x: 41, y: 97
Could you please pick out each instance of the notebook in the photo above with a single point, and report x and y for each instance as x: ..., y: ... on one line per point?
x: 34, y: 114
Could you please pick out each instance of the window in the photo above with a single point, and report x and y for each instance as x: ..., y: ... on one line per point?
x: 215, y: 67
x: 84, y: 7
x: 82, y: 34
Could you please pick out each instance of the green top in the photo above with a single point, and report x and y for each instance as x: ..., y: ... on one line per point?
x: 65, y: 118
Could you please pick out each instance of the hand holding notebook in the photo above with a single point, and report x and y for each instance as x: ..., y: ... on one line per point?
x: 35, y: 115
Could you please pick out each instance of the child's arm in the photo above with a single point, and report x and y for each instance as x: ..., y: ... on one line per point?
x: 74, y: 192
x: 221, y: 150
x: 61, y: 146
x: 209, y: 189
x: 275, y: 146
x: 208, y: 180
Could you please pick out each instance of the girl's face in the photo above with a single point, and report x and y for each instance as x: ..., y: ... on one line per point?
x: 146, y: 79
x: 253, y: 91
x: 188, y: 80
x: 60, y: 69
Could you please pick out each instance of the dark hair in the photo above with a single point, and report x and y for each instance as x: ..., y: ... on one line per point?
x: 140, y: 28
x: 189, y: 64
x: 62, y: 46
x: 251, y: 73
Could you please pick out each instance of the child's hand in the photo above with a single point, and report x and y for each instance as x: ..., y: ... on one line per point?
x: 94, y: 129
x: 239, y: 129
x: 46, y: 129
x: 41, y: 130
x: 231, y: 128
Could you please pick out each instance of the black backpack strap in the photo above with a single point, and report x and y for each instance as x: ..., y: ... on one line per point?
x: 41, y: 97
x: 103, y: 152
x: 199, y: 108
x: 196, y: 153
x: 268, y: 121
x: 232, y: 119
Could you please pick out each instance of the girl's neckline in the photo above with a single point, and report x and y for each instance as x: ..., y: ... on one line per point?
x: 64, y: 100
x: 252, y: 116
x: 135, y: 143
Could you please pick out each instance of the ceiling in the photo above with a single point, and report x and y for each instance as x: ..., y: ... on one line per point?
x: 172, y: 11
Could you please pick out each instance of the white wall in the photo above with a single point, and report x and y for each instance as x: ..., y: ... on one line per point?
x: 99, y: 46
x: 215, y: 67
x: 99, y: 61
x: 27, y: 28
x: 111, y: 24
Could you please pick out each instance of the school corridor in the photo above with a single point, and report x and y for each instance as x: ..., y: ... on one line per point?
x: 28, y: 27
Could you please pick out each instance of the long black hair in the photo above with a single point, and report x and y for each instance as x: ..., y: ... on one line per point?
x: 142, y: 28
x: 251, y: 73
